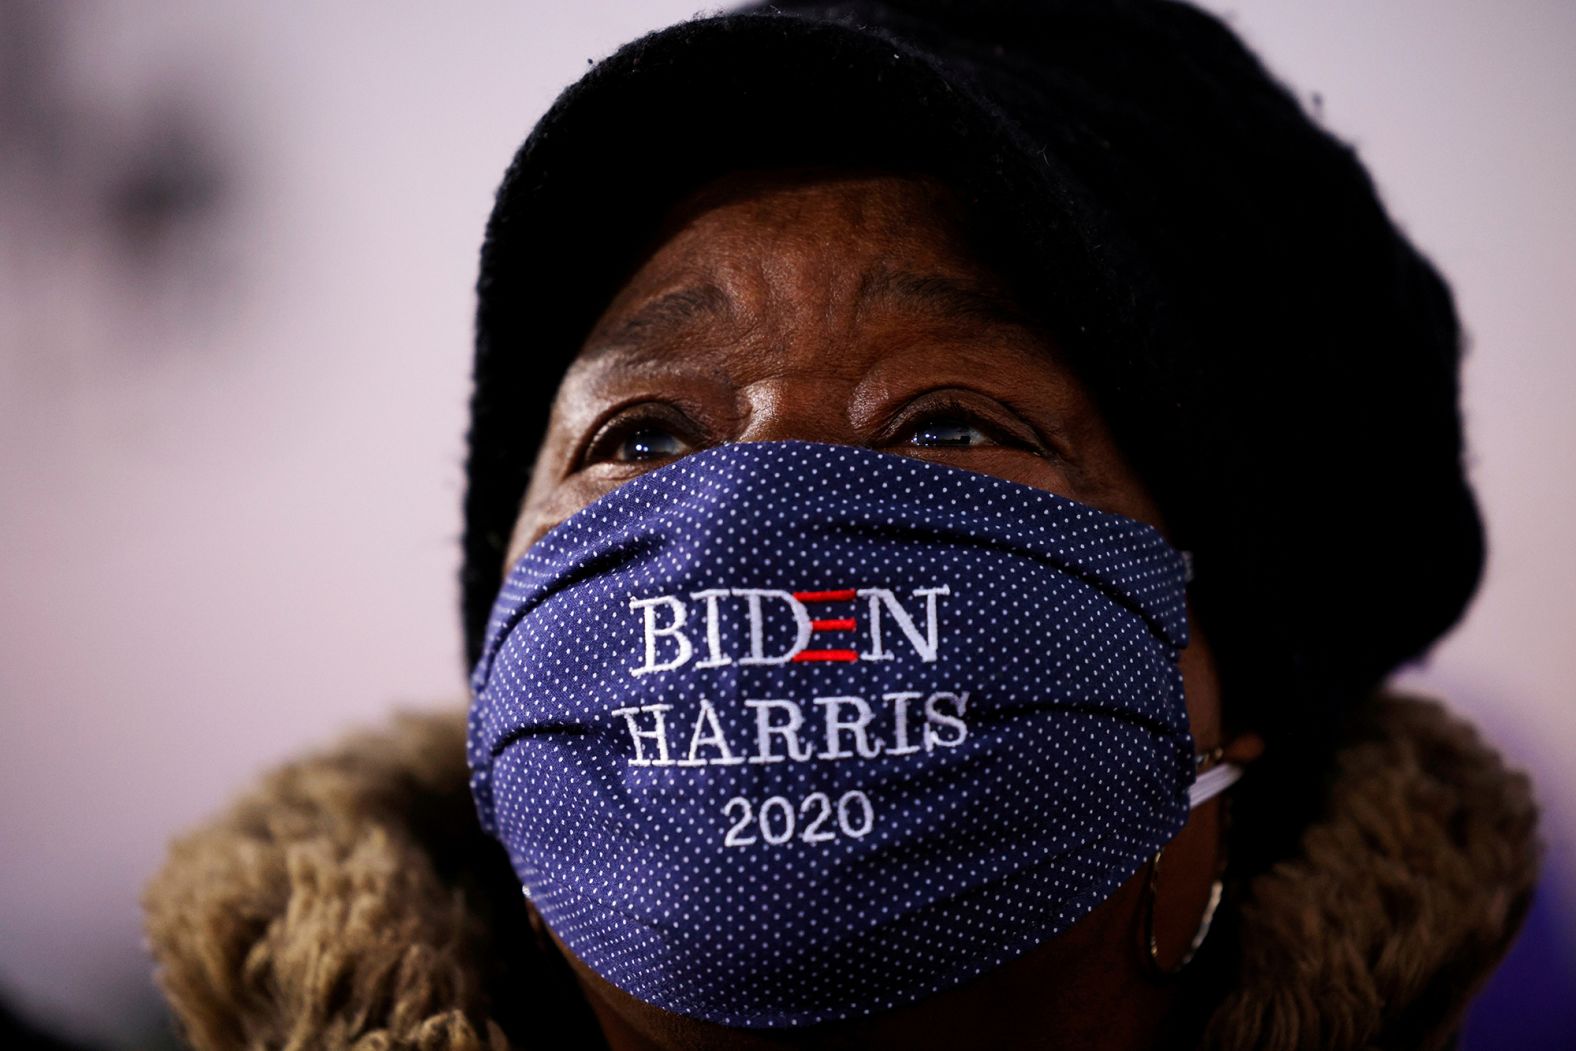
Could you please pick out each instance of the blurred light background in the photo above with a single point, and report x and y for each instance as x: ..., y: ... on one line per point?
x: 237, y: 243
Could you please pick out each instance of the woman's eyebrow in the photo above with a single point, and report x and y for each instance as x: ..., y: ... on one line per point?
x: 941, y: 295
x: 664, y: 315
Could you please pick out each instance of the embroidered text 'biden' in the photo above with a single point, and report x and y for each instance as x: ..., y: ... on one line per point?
x: 795, y: 604
x: 898, y: 723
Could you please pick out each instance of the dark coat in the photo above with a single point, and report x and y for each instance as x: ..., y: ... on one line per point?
x: 351, y: 900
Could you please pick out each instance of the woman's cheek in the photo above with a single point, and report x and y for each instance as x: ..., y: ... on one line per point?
x: 543, y: 511
x: 547, y: 507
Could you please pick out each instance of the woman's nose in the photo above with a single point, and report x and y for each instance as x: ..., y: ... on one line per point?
x: 811, y: 407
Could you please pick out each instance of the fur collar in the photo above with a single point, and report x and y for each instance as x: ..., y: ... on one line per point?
x: 351, y: 901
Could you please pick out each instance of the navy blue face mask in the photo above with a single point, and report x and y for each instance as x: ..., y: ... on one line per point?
x: 783, y: 732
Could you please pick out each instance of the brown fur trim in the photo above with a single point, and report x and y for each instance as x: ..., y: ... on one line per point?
x: 352, y: 901
x: 1404, y: 896
x: 312, y: 914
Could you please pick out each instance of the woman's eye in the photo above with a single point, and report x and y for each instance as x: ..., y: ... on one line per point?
x: 647, y: 443
x: 947, y: 433
x: 646, y: 434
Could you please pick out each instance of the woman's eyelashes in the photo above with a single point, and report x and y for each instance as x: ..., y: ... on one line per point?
x: 951, y: 426
x: 643, y: 436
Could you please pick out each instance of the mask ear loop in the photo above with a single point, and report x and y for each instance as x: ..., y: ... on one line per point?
x: 1213, y: 778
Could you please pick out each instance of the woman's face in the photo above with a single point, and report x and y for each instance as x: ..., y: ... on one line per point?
x: 849, y: 308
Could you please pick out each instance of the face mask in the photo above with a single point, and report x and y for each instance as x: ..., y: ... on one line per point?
x: 784, y: 732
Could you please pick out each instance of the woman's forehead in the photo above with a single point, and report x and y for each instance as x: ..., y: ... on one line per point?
x: 806, y: 250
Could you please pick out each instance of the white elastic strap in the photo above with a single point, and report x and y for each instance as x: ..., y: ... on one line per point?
x: 1212, y: 782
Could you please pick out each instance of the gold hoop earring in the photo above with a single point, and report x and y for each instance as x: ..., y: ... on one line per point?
x: 1152, y: 943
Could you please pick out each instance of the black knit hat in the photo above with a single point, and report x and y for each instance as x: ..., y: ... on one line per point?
x: 1273, y: 356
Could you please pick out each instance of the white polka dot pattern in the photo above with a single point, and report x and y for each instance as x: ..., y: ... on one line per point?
x: 785, y: 732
